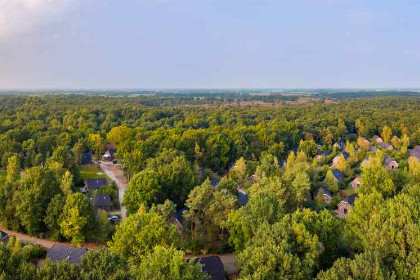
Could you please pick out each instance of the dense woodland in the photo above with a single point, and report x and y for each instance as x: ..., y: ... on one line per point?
x: 171, y: 155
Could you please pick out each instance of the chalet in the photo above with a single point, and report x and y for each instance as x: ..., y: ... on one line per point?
x: 373, y: 149
x: 242, y: 197
x: 4, y: 237
x: 390, y: 163
x: 385, y: 146
x: 355, y: 184
x: 179, y: 217
x: 321, y: 156
x: 109, y: 155
x: 345, y: 205
x: 72, y: 254
x: 340, y: 145
x: 95, y: 183
x: 214, y: 182
x: 377, y: 139
x: 326, y: 194
x: 338, y: 175
x: 102, y: 201
x: 336, y: 158
x: 86, y: 158
x: 213, y: 266
x: 415, y: 152
x: 253, y: 178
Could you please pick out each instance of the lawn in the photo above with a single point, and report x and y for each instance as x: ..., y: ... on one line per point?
x: 91, y: 171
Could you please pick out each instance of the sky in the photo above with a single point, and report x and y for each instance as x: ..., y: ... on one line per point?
x: 101, y: 44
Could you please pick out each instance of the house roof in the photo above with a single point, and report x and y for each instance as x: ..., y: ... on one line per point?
x: 4, y: 237
x: 179, y: 214
x: 345, y: 155
x: 111, y: 151
x: 96, y: 183
x: 59, y: 253
x: 214, y: 267
x: 242, y: 198
x: 340, y: 144
x: 350, y: 199
x: 373, y: 149
x: 214, y: 182
x: 324, y: 154
x: 325, y: 191
x: 376, y: 138
x: 388, y: 160
x: 415, y: 152
x: 384, y: 145
x: 337, y: 174
x: 102, y: 200
x: 86, y: 158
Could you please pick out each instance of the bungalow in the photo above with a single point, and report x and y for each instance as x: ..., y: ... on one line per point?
x: 340, y: 145
x: 109, y: 155
x: 326, y: 194
x: 213, y: 266
x: 377, y: 139
x: 72, y: 254
x: 95, y: 183
x: 86, y: 158
x: 102, y: 201
x: 355, y: 184
x: 4, y: 237
x: 337, y: 157
x: 214, y: 182
x: 345, y: 205
x: 253, y: 178
x: 385, y: 146
x: 242, y: 197
x: 415, y: 152
x: 390, y: 163
x: 179, y: 217
x: 373, y: 149
x: 338, y: 175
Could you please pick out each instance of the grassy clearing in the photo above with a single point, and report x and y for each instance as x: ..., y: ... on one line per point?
x: 91, y: 171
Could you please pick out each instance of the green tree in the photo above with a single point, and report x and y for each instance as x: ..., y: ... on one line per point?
x: 302, y: 187
x: 168, y: 264
x: 386, y: 133
x: 330, y: 182
x: 140, y: 233
x: 13, y: 169
x: 376, y: 178
x: 53, y: 216
x: 141, y: 190
x: 77, y: 218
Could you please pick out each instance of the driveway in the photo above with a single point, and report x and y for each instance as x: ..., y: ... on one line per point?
x: 46, y: 243
x: 117, y: 175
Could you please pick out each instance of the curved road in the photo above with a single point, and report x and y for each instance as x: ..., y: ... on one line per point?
x: 117, y: 175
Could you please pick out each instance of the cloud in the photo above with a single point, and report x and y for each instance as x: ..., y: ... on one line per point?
x: 18, y: 17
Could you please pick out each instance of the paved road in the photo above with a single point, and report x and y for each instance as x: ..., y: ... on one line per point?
x: 46, y: 243
x: 117, y: 175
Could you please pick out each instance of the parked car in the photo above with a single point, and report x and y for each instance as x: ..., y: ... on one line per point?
x: 114, y: 219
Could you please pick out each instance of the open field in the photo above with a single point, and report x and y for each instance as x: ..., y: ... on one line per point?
x: 92, y: 171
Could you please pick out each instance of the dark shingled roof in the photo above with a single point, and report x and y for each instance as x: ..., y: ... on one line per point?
x: 96, y: 183
x: 179, y: 215
x: 102, y: 200
x: 214, y: 182
x: 340, y: 144
x: 4, y: 237
x: 214, y: 267
x: 86, y: 158
x: 345, y: 155
x: 242, y: 198
x: 388, y: 160
x: 415, y: 152
x: 59, y: 253
x: 112, y: 151
x: 325, y: 191
x: 337, y: 174
x: 350, y: 199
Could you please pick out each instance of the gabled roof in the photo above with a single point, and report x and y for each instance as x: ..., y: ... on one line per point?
x: 345, y: 155
x: 415, y: 152
x: 384, y: 145
x: 373, y: 149
x: 179, y: 214
x: 350, y: 199
x: 214, y: 182
x: 111, y: 152
x: 377, y: 139
x: 86, y: 158
x: 214, y: 267
x: 340, y: 144
x: 388, y: 160
x: 59, y: 253
x: 242, y: 198
x: 96, y: 183
x: 324, y: 154
x: 325, y: 191
x: 4, y: 237
x: 102, y: 200
x: 337, y: 174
